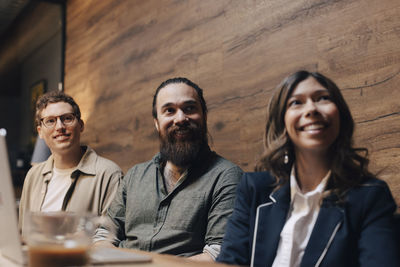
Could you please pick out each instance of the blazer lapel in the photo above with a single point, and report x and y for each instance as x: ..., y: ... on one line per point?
x: 270, y: 219
x: 329, y: 220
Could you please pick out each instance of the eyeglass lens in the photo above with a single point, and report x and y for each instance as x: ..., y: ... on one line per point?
x: 66, y: 119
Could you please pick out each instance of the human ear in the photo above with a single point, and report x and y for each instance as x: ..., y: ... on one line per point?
x: 82, y: 125
x: 156, y: 124
x: 39, y: 130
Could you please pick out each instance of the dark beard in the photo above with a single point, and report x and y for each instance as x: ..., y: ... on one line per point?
x: 182, y: 152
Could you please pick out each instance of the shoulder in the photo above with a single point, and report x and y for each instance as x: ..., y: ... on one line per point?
x: 108, y: 164
x: 218, y: 170
x: 370, y: 186
x: 35, y: 172
x: 372, y: 194
x: 104, y: 170
x: 140, y: 169
x: 221, y: 164
x: 37, y: 168
x: 102, y: 164
x: 257, y: 184
x: 259, y: 179
x: 34, y: 179
x: 374, y: 182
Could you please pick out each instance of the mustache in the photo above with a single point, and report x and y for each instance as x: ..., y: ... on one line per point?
x: 189, y: 128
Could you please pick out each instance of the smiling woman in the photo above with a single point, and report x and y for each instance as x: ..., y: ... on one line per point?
x: 309, y: 121
x: 324, y: 207
x: 311, y: 118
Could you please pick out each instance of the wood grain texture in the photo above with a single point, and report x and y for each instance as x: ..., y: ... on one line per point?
x: 118, y: 52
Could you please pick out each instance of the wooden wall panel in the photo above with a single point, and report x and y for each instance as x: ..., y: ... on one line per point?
x: 118, y: 52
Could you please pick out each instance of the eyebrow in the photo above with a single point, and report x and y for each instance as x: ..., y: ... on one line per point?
x: 315, y: 92
x: 50, y: 116
x: 188, y: 102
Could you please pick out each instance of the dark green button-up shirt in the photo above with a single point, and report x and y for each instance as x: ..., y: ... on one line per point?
x: 192, y: 215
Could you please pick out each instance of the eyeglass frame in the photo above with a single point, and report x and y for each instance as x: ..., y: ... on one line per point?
x: 61, y: 119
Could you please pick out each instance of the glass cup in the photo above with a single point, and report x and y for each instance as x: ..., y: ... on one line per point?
x: 59, y: 238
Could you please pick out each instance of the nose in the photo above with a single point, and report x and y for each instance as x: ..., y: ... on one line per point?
x: 310, y: 108
x: 180, y: 117
x: 59, y: 124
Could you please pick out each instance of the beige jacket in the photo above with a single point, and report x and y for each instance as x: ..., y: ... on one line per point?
x: 93, y: 186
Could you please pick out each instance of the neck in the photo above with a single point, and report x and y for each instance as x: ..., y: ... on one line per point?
x: 311, y: 168
x: 174, y: 172
x: 69, y: 159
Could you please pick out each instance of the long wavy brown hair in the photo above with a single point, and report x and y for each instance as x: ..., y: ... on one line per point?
x: 349, y: 165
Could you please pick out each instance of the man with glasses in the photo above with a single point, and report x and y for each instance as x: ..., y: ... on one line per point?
x: 74, y: 178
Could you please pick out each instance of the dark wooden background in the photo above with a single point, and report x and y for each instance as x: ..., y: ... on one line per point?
x: 118, y: 52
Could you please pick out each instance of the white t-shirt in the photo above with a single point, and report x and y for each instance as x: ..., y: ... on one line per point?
x: 296, y: 232
x: 56, y: 189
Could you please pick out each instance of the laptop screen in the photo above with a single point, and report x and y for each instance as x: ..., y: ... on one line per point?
x: 10, y: 243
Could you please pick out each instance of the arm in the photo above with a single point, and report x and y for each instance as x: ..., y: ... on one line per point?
x: 220, y: 210
x: 25, y: 201
x: 202, y: 257
x: 112, y: 230
x: 236, y: 245
x: 210, y: 253
x: 22, y: 206
x: 110, y: 188
x: 378, y: 245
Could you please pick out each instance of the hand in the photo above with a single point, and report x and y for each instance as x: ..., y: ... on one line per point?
x: 202, y: 257
x: 103, y: 244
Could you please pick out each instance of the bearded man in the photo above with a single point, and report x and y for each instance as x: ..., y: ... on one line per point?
x: 178, y: 202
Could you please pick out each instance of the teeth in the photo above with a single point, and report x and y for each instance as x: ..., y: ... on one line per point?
x: 182, y: 131
x: 315, y: 126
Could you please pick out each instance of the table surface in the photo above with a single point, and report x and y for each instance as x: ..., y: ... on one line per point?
x: 158, y: 260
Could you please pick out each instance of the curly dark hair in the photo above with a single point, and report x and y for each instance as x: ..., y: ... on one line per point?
x: 55, y: 97
x: 349, y: 165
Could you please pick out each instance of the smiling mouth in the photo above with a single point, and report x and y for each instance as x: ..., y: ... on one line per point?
x: 182, y: 132
x: 314, y: 126
x: 61, y: 136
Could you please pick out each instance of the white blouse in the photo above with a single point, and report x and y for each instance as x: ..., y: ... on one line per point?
x: 303, y: 213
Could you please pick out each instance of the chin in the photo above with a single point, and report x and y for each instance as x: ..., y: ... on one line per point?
x: 318, y: 149
x: 312, y: 146
x: 64, y: 146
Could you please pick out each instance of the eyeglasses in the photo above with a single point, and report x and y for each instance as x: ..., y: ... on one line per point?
x: 51, y: 121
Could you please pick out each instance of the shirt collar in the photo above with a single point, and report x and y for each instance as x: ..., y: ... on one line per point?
x: 86, y: 165
x: 295, y: 189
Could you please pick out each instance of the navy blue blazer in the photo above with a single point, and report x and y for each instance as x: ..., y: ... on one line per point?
x: 358, y: 232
